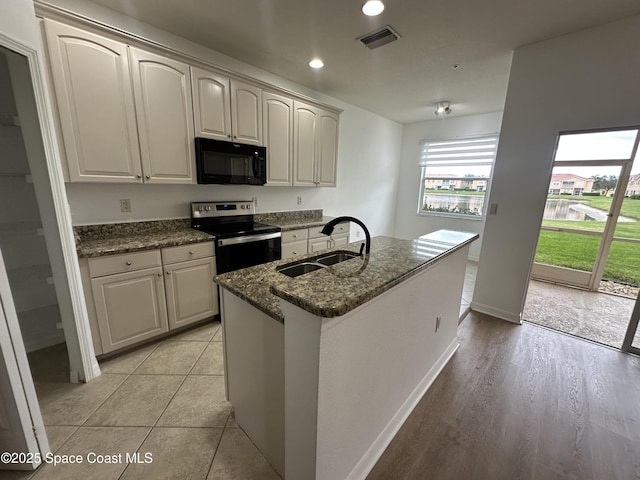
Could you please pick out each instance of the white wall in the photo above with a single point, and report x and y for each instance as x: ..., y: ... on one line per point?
x: 408, y: 224
x: 368, y: 155
x: 584, y: 80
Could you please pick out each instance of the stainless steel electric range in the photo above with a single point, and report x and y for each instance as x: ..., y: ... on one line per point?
x: 240, y: 242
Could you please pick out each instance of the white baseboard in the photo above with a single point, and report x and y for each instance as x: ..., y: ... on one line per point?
x: 377, y: 448
x: 496, y: 312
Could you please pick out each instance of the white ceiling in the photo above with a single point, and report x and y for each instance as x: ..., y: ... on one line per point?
x: 402, y: 80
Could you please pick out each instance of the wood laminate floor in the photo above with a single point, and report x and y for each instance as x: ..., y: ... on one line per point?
x: 522, y: 402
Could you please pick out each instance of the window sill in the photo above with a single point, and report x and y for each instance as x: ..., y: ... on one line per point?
x: 473, y: 218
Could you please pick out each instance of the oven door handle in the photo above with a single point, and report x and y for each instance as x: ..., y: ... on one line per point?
x: 248, y: 239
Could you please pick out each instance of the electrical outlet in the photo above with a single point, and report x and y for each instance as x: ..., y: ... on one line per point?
x: 125, y: 204
x: 299, y: 200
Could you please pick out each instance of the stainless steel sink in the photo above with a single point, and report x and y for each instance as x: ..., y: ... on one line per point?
x: 299, y: 269
x: 336, y: 257
x: 315, y: 263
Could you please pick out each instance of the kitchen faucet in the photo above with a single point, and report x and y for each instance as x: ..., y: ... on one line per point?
x: 328, y: 230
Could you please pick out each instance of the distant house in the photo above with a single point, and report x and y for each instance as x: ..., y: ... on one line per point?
x: 446, y: 181
x: 569, y: 184
x: 633, y: 187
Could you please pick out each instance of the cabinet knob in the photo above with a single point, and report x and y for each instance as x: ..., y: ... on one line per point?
x: 160, y: 275
x: 229, y: 135
x: 295, y: 253
x: 168, y: 272
x: 191, y: 252
x: 129, y: 263
x: 147, y: 177
x: 295, y: 236
x: 138, y: 176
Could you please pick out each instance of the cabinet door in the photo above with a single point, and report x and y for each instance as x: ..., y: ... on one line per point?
x: 304, y: 144
x: 211, y: 104
x: 294, y: 248
x: 339, y: 240
x: 327, y: 149
x: 317, y: 244
x: 246, y: 113
x: 92, y: 84
x: 191, y: 293
x: 162, y: 92
x: 130, y: 307
x: 278, y: 138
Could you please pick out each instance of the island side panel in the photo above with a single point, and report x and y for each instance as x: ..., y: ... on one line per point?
x: 375, y: 364
x: 254, y: 356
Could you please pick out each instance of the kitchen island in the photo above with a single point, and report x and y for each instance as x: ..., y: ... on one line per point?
x: 324, y: 368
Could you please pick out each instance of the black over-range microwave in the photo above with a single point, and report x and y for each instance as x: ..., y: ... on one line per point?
x: 230, y: 163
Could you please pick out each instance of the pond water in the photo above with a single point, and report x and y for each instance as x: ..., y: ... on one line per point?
x: 465, y: 204
x: 563, y: 209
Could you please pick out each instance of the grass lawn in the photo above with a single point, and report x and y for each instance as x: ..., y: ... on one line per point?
x: 579, y: 251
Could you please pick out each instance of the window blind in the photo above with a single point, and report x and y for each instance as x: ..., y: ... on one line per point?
x: 464, y: 151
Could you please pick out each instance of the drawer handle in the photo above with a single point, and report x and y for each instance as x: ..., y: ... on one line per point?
x: 191, y: 252
x: 129, y: 263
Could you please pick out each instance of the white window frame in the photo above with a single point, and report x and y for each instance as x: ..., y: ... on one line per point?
x: 483, y: 155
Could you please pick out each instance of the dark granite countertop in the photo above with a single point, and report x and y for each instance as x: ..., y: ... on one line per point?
x: 293, y: 220
x: 109, y: 239
x: 334, y: 291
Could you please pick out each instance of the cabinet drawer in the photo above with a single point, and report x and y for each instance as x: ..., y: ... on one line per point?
x: 341, y: 228
x: 125, y: 262
x: 187, y: 252
x: 295, y: 235
x: 294, y: 248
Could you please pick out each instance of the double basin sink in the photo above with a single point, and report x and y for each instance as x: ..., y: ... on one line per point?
x: 316, y: 263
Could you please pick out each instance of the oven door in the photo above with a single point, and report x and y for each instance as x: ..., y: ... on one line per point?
x: 245, y: 251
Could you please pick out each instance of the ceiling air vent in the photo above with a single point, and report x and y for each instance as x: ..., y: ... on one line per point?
x: 379, y: 37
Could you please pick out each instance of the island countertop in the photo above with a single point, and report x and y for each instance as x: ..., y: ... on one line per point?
x: 336, y: 290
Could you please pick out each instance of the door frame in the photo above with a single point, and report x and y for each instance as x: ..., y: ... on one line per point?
x: 591, y: 280
x: 64, y: 264
x: 31, y: 429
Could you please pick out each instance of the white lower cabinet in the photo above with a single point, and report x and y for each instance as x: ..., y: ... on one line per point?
x: 299, y: 242
x: 132, y: 297
x: 130, y: 307
x: 319, y: 241
x: 294, y: 242
x: 191, y: 295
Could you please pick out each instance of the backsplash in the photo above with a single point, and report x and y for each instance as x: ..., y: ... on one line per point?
x: 292, y: 216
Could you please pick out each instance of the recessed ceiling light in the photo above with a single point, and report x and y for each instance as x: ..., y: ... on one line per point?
x: 373, y: 8
x: 316, y: 63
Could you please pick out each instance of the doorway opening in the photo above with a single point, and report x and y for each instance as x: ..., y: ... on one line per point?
x: 589, y: 239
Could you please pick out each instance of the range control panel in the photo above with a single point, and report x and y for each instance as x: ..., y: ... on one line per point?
x: 221, y: 209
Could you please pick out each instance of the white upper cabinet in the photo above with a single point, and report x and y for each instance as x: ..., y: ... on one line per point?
x: 92, y: 84
x: 211, y: 104
x: 162, y: 92
x: 246, y: 113
x: 304, y: 127
x: 278, y: 138
x: 226, y: 109
x: 327, y: 148
x: 315, y: 146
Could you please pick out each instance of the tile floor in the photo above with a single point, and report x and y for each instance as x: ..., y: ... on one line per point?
x: 165, y: 399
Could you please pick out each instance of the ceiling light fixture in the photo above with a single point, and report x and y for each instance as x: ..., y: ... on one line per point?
x: 443, y: 108
x: 316, y: 63
x: 373, y: 8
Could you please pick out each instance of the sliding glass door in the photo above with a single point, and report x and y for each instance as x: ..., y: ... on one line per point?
x: 591, y: 224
